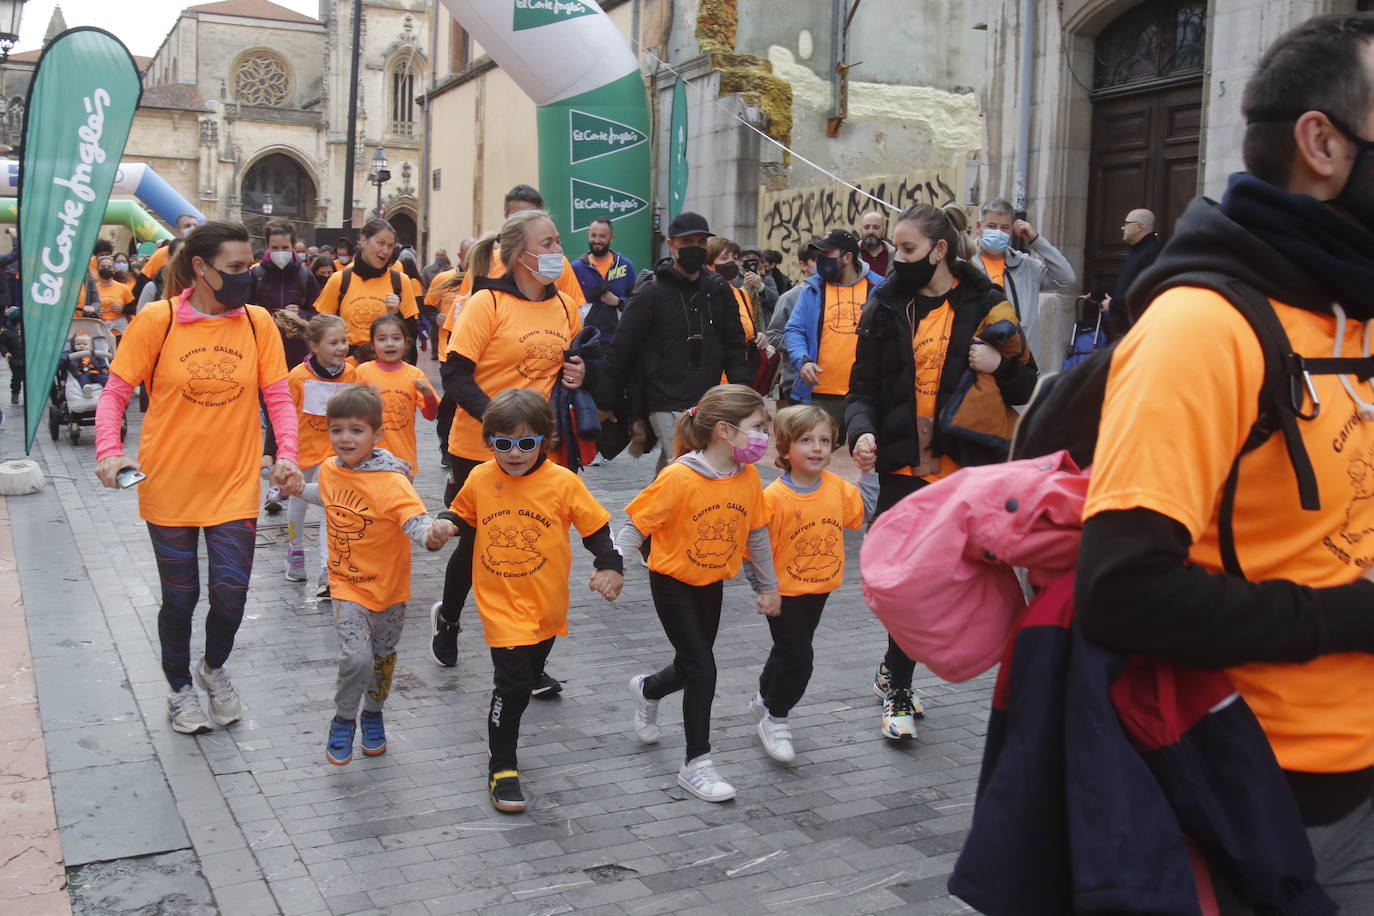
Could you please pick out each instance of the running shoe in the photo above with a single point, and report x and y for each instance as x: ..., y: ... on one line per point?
x: 225, y: 706
x: 699, y: 777
x: 183, y: 709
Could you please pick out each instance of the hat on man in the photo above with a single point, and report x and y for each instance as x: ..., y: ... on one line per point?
x: 837, y: 238
x: 688, y: 223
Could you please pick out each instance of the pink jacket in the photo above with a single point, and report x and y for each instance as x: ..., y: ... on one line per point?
x: 937, y: 567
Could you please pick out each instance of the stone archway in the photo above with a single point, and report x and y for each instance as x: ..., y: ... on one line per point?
x: 279, y: 179
x: 407, y: 233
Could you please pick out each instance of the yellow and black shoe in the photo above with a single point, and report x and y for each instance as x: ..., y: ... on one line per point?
x: 504, y: 789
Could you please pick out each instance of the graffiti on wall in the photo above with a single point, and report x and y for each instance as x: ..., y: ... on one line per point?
x: 791, y: 218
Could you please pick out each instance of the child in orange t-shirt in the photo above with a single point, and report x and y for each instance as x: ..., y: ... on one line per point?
x: 317, y: 379
x: 808, y: 509
x: 373, y: 513
x: 521, y: 505
x: 704, y: 511
x: 403, y: 388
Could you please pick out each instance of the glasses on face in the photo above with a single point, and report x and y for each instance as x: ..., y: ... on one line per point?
x: 523, y: 444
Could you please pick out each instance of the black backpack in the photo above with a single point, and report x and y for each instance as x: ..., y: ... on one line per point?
x: 348, y: 278
x: 1066, y: 408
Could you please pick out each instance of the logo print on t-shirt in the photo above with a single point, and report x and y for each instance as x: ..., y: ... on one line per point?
x: 513, y: 551
x: 816, y: 560
x: 716, y: 541
x: 396, y: 409
x: 843, y: 317
x: 347, y: 523
x: 543, y: 356
x: 212, y: 381
x: 1360, y: 470
x: 364, y: 310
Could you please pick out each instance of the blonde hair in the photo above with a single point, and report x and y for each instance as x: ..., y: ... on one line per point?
x: 966, y: 248
x: 320, y: 325
x: 722, y: 404
x: 513, y: 239
x: 791, y: 423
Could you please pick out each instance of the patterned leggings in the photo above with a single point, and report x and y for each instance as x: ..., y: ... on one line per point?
x: 229, y: 547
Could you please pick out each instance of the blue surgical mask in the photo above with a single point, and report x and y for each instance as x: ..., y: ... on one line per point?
x: 994, y: 241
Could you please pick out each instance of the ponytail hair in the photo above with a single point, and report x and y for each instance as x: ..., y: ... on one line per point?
x: 479, y: 256
x: 204, y: 242
x: 722, y: 404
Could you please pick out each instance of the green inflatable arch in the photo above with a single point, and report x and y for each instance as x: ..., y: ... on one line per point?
x: 125, y: 213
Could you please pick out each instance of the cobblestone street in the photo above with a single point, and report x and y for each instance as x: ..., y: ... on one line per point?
x: 252, y: 820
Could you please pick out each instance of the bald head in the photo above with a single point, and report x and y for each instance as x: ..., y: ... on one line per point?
x: 1138, y: 224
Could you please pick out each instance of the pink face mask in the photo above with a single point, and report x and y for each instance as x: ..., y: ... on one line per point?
x: 756, y: 449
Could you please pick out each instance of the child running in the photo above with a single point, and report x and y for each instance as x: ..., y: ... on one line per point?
x: 521, y: 505
x: 702, y: 510
x: 313, y: 383
x: 808, y: 508
x: 403, y: 387
x: 370, y: 510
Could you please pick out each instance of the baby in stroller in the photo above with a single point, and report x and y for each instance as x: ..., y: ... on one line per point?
x: 88, y: 370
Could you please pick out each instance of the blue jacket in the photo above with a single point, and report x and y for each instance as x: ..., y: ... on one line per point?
x: 803, y: 334
x: 621, y: 281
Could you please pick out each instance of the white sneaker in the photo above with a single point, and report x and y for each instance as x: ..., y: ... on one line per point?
x: 183, y: 709
x: 225, y: 708
x: 646, y: 711
x: 899, y: 721
x: 758, y: 707
x: 777, y: 738
x: 699, y: 777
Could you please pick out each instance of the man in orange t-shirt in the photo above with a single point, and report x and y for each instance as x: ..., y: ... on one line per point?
x: 1288, y: 609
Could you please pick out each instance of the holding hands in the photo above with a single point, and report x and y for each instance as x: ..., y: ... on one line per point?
x: 606, y: 583
x: 865, y: 452
x: 770, y: 603
x: 440, y: 534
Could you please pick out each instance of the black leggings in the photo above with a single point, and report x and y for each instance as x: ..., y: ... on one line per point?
x: 690, y: 615
x: 458, y: 576
x: 788, y: 669
x: 891, y: 489
x: 514, y: 671
x: 443, y: 420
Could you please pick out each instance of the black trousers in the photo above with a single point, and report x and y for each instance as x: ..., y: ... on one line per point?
x: 458, y: 575
x: 788, y: 669
x: 16, y: 375
x: 891, y: 490
x: 690, y: 615
x: 444, y: 421
x: 833, y: 404
x: 514, y: 671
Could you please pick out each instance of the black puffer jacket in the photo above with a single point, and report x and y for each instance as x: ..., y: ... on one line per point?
x: 882, y: 387
x: 649, y: 365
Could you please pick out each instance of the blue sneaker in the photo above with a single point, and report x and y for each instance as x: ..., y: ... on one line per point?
x: 339, y: 750
x: 374, y: 735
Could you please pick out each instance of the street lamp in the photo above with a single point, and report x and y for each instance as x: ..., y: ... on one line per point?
x: 381, y: 174
x: 10, y: 13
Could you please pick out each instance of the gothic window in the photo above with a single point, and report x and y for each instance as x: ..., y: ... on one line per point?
x: 1155, y: 41
x: 262, y: 78
x: 402, y: 99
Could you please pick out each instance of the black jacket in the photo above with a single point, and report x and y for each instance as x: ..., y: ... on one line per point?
x: 650, y: 366
x: 1141, y: 257
x: 882, y: 388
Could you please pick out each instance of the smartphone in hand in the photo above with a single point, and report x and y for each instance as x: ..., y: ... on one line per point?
x: 129, y: 477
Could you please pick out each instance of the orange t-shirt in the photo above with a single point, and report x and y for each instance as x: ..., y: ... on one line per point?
x: 400, y: 400
x: 366, y: 303
x: 201, y: 442
x: 700, y: 525
x: 807, y: 533
x: 746, y: 320
x: 156, y: 261
x: 514, y: 343
x: 521, y: 557
x: 310, y: 417
x: 995, y: 265
x: 566, y: 283
x: 369, y: 553
x: 1181, y: 397
x: 446, y: 300
x: 113, y: 298
x: 602, y: 264
x: 930, y: 347
x: 841, y: 309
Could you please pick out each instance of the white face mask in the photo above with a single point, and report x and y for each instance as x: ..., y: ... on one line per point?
x: 281, y: 258
x: 549, y: 267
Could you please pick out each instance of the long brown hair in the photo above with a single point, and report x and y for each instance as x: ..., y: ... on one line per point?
x: 722, y: 404
x: 203, y: 242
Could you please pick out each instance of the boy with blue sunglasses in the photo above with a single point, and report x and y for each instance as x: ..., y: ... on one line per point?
x: 521, y: 505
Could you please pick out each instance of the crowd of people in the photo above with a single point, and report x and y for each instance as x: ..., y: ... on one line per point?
x: 909, y: 345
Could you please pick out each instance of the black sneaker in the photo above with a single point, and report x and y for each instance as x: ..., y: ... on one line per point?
x: 324, y: 590
x: 443, y: 458
x: 504, y: 789
x: 546, y: 686
x: 443, y: 645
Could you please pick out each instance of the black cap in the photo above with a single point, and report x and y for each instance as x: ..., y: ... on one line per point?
x: 837, y: 238
x: 750, y: 249
x: 688, y: 223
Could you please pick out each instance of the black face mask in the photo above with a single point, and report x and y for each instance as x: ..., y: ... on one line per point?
x: 691, y: 258
x: 1357, y: 194
x: 913, y: 276
x: 235, y: 289
x: 728, y: 271
x: 106, y: 273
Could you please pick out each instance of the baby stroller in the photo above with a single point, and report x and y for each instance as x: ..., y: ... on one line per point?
x: 70, y: 404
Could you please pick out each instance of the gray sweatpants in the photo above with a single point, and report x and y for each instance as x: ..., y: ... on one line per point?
x: 368, y: 642
x: 664, y: 425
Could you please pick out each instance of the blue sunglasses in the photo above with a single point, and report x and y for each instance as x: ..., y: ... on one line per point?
x: 524, y: 443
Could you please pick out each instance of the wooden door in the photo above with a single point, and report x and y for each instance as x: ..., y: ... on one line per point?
x: 1144, y: 154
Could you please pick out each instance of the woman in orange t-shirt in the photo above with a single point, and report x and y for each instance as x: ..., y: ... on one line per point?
x: 114, y: 296
x: 918, y: 339
x: 512, y: 333
x: 375, y: 288
x: 705, y: 511
x: 206, y: 357
x: 443, y: 297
